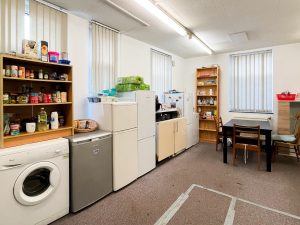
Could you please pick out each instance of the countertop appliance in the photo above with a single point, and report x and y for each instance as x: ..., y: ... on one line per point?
x: 146, y: 128
x: 91, y: 166
x: 120, y: 118
x: 34, y: 182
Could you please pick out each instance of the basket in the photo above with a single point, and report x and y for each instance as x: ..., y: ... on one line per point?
x: 85, y: 125
x: 290, y: 97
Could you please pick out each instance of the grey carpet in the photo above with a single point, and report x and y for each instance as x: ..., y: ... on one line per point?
x: 144, y: 201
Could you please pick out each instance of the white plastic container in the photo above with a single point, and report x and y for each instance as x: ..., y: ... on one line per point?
x: 54, y: 121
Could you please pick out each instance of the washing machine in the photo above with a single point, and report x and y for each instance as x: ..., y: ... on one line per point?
x: 34, y: 183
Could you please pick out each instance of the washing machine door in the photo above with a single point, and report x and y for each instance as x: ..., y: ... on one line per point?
x: 36, y: 183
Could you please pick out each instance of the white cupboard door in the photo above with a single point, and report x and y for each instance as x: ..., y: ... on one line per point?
x: 165, y: 139
x: 125, y: 157
x: 180, y: 134
x: 146, y: 155
x: 146, y: 114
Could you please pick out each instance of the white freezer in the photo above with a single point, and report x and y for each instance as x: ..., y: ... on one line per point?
x: 125, y: 158
x: 114, y: 116
x: 193, y: 131
x: 146, y: 155
x: 145, y: 111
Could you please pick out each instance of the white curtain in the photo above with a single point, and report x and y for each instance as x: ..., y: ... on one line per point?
x: 161, y: 72
x: 252, y: 82
x: 104, y: 58
x: 48, y: 24
x: 11, y: 23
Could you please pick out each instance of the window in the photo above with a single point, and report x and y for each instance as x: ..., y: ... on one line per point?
x: 104, y: 58
x: 46, y: 24
x: 252, y: 82
x: 161, y: 72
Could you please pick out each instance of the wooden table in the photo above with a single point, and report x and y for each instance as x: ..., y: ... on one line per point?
x: 265, y: 129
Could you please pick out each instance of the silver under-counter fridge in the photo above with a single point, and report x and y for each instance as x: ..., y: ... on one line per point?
x: 91, y: 165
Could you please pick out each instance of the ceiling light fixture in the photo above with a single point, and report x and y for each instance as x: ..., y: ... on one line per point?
x: 162, y: 16
x: 200, y: 43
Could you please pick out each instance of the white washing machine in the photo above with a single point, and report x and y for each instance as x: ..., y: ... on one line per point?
x: 34, y: 183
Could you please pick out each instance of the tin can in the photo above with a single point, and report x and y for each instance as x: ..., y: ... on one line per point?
x: 27, y: 74
x: 21, y: 73
x: 14, y: 71
x: 7, y: 71
x: 34, y: 98
x: 47, y: 98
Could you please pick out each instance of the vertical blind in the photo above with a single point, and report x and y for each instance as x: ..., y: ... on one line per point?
x: 161, y: 72
x: 48, y: 24
x: 252, y: 82
x: 104, y: 58
x: 11, y: 23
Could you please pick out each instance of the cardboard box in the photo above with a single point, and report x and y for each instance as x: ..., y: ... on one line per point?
x: 30, y: 48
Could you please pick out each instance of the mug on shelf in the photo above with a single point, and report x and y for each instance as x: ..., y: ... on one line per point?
x: 30, y: 127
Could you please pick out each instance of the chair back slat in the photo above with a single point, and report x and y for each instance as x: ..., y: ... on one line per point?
x: 244, y: 134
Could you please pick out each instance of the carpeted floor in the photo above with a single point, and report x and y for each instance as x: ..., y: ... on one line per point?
x: 144, y: 201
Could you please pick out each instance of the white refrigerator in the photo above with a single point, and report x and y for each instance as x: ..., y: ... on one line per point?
x: 120, y: 118
x: 146, y: 128
x: 192, y: 120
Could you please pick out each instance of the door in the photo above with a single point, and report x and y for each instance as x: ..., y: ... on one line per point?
x: 165, y: 139
x: 36, y: 183
x: 146, y: 114
x: 124, y: 116
x: 180, y: 134
x: 146, y: 155
x: 125, y: 158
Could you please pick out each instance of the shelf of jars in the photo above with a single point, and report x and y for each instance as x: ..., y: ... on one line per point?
x: 37, y: 101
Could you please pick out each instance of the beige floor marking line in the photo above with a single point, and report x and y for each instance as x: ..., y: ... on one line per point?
x: 249, y: 202
x: 231, y: 212
x: 167, y: 216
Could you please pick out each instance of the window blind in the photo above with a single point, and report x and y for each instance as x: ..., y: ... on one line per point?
x: 11, y: 23
x: 252, y: 82
x: 48, y: 24
x: 104, y: 58
x: 161, y: 72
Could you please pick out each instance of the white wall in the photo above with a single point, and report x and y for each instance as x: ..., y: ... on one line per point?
x: 285, y: 77
x: 135, y: 59
x: 78, y: 49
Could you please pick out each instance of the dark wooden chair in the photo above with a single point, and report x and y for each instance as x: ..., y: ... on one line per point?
x: 246, y: 138
x: 292, y: 143
x: 219, y: 133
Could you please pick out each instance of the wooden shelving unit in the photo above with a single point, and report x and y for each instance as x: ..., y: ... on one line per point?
x: 28, y: 111
x: 207, y: 92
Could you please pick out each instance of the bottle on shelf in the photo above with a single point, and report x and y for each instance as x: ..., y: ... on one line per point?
x: 42, y: 120
x: 54, y: 121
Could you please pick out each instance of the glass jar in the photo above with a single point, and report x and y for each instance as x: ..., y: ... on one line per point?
x: 6, y: 98
x: 22, y: 99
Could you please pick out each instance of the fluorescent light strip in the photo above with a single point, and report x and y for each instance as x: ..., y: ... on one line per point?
x: 201, y: 44
x: 162, y: 16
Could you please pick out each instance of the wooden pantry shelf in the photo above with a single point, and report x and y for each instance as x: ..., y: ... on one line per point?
x: 39, y: 104
x: 32, y: 60
x: 206, y: 119
x: 206, y: 106
x: 205, y: 77
x: 36, y: 80
x: 27, y: 138
x: 206, y: 129
x: 207, y: 85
